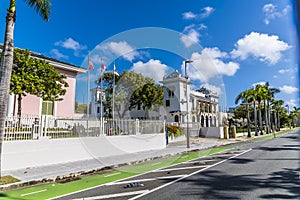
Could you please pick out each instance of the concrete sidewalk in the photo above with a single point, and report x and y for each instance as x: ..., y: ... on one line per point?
x: 52, y: 171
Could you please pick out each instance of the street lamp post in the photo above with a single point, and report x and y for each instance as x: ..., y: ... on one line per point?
x: 187, y: 104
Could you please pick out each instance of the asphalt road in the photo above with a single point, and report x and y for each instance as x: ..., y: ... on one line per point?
x: 271, y: 170
x: 262, y: 170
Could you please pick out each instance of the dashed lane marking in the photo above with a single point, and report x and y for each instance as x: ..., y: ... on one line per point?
x: 31, y: 193
x: 114, y: 174
x: 156, y: 164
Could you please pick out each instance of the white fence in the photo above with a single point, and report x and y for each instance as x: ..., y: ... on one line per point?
x: 33, y: 128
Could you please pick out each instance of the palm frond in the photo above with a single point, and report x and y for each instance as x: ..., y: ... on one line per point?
x: 42, y: 7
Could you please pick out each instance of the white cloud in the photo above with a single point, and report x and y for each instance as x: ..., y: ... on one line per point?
x: 120, y: 49
x: 292, y: 103
x: 153, y: 68
x: 262, y: 83
x: 283, y: 71
x: 209, y: 64
x: 70, y: 44
x: 189, y: 15
x: 288, y: 89
x: 272, y: 13
x: 190, y: 38
x: 262, y: 46
x: 57, y: 54
x: 205, y: 12
x: 213, y: 88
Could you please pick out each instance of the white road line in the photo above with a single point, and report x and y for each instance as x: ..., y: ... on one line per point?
x: 145, y: 180
x: 181, y: 168
x: 156, y: 164
x: 114, y: 195
x: 196, y: 172
x: 112, y: 174
x: 30, y: 193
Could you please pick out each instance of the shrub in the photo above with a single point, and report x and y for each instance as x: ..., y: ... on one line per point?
x: 175, y: 131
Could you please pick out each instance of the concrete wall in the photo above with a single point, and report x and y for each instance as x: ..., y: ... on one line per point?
x: 23, y: 154
x: 213, y: 132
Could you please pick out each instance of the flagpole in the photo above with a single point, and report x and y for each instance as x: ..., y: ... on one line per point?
x: 113, y: 100
x: 88, y: 89
x: 101, y: 92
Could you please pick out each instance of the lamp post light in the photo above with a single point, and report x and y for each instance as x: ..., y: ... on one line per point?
x: 187, y: 104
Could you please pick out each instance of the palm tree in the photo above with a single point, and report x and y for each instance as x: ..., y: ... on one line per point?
x: 294, y: 115
x: 253, y: 98
x: 245, y: 97
x: 260, y: 96
x: 270, y: 96
x: 42, y: 7
x: 277, y: 106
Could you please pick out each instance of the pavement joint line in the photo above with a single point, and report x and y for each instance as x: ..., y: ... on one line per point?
x: 145, y: 180
x: 114, y: 174
x: 31, y: 193
x: 196, y: 172
x: 114, y: 195
x: 181, y: 168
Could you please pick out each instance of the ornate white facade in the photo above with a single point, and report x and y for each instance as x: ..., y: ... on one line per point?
x: 202, y: 104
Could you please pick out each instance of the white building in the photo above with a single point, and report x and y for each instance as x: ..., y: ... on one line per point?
x: 202, y: 104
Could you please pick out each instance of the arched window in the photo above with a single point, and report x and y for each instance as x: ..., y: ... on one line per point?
x: 176, y: 118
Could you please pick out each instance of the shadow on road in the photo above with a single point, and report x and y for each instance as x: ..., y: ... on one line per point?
x: 216, y: 185
x: 277, y: 149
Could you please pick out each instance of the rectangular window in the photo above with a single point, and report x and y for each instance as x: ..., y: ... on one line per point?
x: 167, y: 103
x: 98, y: 109
x: 47, y: 108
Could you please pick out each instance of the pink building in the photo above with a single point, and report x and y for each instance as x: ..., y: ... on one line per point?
x: 35, y: 106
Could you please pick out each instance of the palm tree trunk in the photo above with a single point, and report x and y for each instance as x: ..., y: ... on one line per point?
x: 278, y: 121
x: 255, y: 118
x: 260, y: 119
x: 266, y: 117
x: 275, y: 120
x: 248, y: 121
x: 269, y: 116
x: 6, y: 69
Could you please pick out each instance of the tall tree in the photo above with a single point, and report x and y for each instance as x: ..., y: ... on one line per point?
x: 253, y: 99
x: 277, y: 106
x: 147, y: 96
x: 42, y: 7
x: 270, y: 96
x: 127, y: 84
x: 260, y: 96
x: 108, y: 84
x: 245, y: 97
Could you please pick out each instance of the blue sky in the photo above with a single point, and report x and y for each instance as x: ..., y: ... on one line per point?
x: 247, y: 41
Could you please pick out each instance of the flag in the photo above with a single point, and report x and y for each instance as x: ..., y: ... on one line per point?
x: 91, y: 66
x: 103, y: 67
x: 115, y: 71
